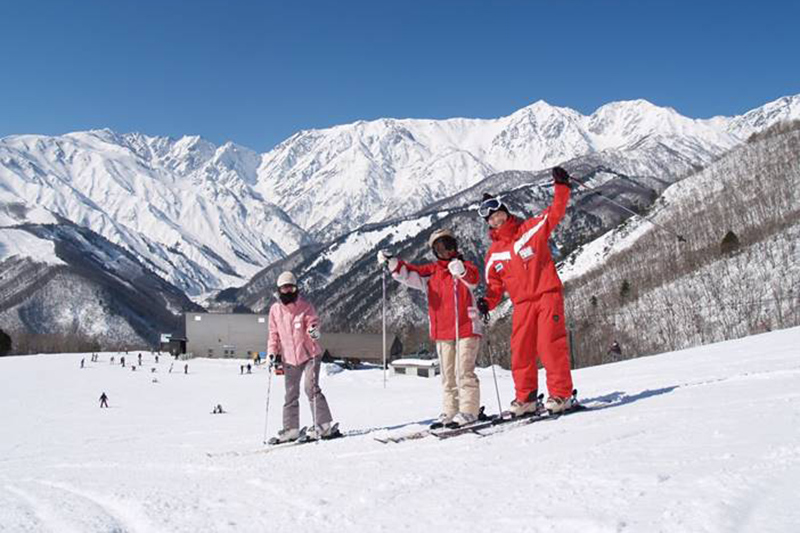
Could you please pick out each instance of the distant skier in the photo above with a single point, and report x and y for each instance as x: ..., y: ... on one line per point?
x: 293, y: 333
x: 111, y: 361
x: 122, y: 361
x: 103, y: 400
x: 447, y: 281
x: 519, y: 263
x: 82, y: 361
x: 186, y: 368
x: 615, y: 351
x: 140, y: 359
x: 241, y: 369
x: 156, y: 358
x: 170, y: 367
x: 217, y: 409
x: 249, y: 368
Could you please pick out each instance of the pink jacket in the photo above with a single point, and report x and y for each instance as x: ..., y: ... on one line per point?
x: 288, y: 332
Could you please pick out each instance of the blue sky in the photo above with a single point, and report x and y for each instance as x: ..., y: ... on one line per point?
x: 256, y: 72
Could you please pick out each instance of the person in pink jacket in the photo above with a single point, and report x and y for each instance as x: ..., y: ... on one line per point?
x: 293, y: 335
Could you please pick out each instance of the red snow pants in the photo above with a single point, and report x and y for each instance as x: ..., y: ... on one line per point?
x: 538, y: 332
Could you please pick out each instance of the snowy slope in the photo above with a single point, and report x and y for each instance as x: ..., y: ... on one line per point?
x: 705, y: 439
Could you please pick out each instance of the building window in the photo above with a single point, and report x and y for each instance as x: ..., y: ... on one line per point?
x: 198, y: 318
x: 261, y: 320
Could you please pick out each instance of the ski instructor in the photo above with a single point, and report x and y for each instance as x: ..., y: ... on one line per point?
x: 519, y: 262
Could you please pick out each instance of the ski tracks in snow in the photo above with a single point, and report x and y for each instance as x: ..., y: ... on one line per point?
x: 37, y: 505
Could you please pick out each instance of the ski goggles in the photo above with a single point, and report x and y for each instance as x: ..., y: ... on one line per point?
x: 488, y: 206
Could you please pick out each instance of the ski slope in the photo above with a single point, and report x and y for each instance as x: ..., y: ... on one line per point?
x: 701, y: 440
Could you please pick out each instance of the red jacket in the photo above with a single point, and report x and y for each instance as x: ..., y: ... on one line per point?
x: 435, y: 279
x: 519, y: 260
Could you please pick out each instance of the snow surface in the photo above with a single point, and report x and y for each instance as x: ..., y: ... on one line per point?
x: 20, y: 243
x: 706, y: 439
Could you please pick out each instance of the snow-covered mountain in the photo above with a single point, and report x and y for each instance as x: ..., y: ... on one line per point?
x: 207, y: 217
x: 736, y: 273
x: 184, y: 206
x: 62, y: 285
x: 374, y: 170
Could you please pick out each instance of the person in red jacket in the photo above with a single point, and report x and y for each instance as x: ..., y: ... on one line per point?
x: 449, y: 283
x: 519, y: 262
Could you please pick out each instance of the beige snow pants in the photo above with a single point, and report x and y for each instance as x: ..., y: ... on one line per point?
x: 461, y: 389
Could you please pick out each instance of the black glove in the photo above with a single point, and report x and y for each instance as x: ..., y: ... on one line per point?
x: 483, y: 308
x: 561, y: 176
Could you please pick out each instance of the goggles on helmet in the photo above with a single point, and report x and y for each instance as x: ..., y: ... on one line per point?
x: 488, y: 206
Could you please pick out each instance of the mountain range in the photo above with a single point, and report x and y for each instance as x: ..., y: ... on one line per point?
x: 207, y: 219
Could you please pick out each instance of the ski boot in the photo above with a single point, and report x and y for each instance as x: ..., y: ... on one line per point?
x: 441, y: 421
x: 531, y: 407
x: 556, y: 405
x: 286, y: 435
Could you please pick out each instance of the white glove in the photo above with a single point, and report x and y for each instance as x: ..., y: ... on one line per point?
x: 386, y: 258
x: 456, y: 268
x: 313, y: 332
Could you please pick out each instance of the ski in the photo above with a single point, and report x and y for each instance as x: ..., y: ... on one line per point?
x: 506, y: 424
x: 484, y: 427
x: 435, y: 430
x: 307, y: 440
x: 434, y: 427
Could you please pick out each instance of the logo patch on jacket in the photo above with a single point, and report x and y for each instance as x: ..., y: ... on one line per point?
x: 526, y: 253
x: 498, y: 267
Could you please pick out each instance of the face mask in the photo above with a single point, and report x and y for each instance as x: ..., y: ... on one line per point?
x: 288, y: 297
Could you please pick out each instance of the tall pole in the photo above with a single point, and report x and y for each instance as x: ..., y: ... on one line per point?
x: 383, y: 278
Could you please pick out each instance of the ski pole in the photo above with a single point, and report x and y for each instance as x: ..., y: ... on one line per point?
x: 269, y: 390
x: 383, y: 278
x: 491, y: 362
x: 458, y: 351
x: 315, y: 391
x: 680, y: 237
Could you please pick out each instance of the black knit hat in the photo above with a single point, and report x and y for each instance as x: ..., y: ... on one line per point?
x: 501, y: 206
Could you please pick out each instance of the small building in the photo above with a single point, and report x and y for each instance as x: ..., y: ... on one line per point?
x: 354, y: 348
x: 426, y: 368
x: 172, y: 344
x: 226, y: 335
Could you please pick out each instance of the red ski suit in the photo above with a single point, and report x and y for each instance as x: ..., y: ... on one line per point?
x: 519, y: 262
x: 435, y: 279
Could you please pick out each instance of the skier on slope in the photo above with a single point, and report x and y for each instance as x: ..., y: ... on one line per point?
x: 449, y: 273
x: 519, y: 262
x: 293, y: 334
x: 103, y: 400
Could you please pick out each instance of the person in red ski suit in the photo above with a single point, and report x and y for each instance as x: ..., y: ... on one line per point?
x: 519, y: 262
x: 448, y: 280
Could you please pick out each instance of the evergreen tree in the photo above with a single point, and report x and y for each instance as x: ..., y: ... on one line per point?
x: 625, y: 290
x: 5, y: 343
x: 729, y: 244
